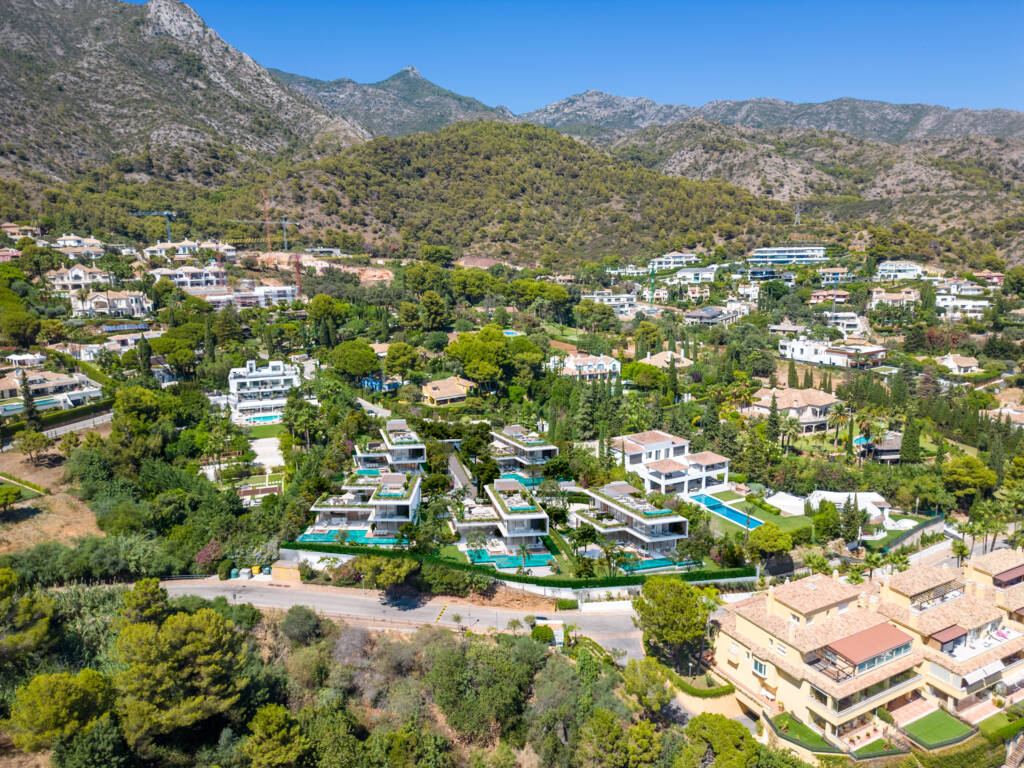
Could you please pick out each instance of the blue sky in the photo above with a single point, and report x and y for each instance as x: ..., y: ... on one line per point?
x: 527, y: 54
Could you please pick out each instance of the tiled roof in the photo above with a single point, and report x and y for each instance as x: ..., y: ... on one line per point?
x: 870, y: 642
x: 667, y: 465
x: 794, y: 398
x: 921, y: 578
x: 814, y: 593
x: 997, y: 561
x: 967, y: 610
x: 705, y: 458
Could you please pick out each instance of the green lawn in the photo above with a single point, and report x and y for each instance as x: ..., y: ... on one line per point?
x: 879, y: 544
x: 800, y: 733
x: 784, y: 523
x: 938, y: 727
x: 994, y: 723
x: 453, y: 553
x: 25, y: 492
x: 727, y: 496
x: 876, y: 746
x: 265, y: 430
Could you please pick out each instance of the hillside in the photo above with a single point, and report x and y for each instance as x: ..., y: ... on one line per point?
x: 87, y: 80
x: 595, y: 113
x: 930, y: 182
x: 404, y: 103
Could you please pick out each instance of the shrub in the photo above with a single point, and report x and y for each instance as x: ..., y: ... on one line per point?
x: 224, y: 569
x: 301, y: 624
x: 542, y: 633
x: 564, y: 604
x: 884, y: 715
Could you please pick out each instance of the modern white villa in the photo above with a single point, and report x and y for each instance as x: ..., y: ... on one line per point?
x: 619, y: 512
x: 520, y: 453
x: 257, y: 395
x: 665, y: 464
x: 400, y: 449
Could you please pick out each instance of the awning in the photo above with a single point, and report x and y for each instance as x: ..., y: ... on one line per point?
x: 949, y: 633
x: 993, y: 668
x: 980, y: 674
x: 1011, y: 576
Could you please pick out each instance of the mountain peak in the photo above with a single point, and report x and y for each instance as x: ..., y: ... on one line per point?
x: 411, y: 71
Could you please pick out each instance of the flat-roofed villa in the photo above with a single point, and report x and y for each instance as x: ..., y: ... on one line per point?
x: 371, y: 509
x: 521, y: 453
x: 521, y: 518
x: 619, y: 512
x: 400, y: 449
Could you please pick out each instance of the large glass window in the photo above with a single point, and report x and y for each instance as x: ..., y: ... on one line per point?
x: 760, y: 668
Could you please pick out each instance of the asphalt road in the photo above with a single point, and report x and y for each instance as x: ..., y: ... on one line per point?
x: 370, y: 609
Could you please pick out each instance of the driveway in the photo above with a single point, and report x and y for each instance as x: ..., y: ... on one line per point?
x: 268, y: 452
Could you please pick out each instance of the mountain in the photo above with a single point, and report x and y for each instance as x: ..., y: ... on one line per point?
x: 404, y: 103
x: 88, y: 80
x: 594, y: 113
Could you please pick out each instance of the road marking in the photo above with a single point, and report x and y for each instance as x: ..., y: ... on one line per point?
x: 443, y: 609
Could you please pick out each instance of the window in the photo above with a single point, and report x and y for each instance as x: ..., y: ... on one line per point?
x: 771, y: 642
x: 781, y: 650
x: 760, y: 668
x: 794, y: 618
x: 843, y: 607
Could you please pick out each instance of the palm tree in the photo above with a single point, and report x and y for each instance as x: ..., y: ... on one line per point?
x: 791, y: 430
x: 898, y: 560
x: 524, y: 552
x: 515, y: 625
x: 873, y: 561
x: 838, y: 420
x: 569, y: 630
x: 960, y: 550
x: 609, y: 551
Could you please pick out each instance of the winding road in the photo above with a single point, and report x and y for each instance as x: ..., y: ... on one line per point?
x: 372, y: 609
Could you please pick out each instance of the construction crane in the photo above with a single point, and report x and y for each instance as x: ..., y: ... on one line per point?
x: 284, y: 231
x: 168, y: 215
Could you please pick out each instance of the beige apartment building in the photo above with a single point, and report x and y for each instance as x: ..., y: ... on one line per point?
x: 832, y: 654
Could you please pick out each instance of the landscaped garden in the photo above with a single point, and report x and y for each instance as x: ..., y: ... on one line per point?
x: 938, y: 728
x: 876, y: 748
x: 801, y: 734
x: 265, y: 430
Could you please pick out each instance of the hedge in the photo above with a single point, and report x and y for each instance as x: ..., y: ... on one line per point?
x: 544, y: 581
x: 701, y: 693
x: 975, y: 753
x: 57, y: 418
x: 564, y: 604
x: 29, y: 483
x: 895, y: 543
x: 550, y: 544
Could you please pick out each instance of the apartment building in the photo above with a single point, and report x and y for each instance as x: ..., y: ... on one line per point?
x: 712, y: 315
x: 371, y: 510
x: 192, y: 278
x: 113, y: 303
x: 810, y: 407
x: 623, y: 304
x: 50, y: 390
x: 829, y: 295
x: 673, y: 260
x: 619, y: 512
x: 664, y: 462
x: 631, y: 270
x: 847, y: 323
x: 586, y: 367
x: 958, y: 308
x: 521, y: 453
x: 766, y: 274
x: 787, y: 254
x: 77, y: 277
x: 893, y: 270
x: 825, y: 352
x: 187, y: 248
x: 257, y: 395
x: 834, y: 275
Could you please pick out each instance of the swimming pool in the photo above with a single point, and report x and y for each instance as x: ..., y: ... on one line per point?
x: 724, y: 510
x: 368, y: 472
x: 507, y: 561
x: 529, y: 482
x: 860, y: 440
x: 512, y: 333
x: 263, y: 419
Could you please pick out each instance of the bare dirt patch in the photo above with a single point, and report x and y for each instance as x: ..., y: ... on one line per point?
x: 49, y: 472
x: 59, y: 517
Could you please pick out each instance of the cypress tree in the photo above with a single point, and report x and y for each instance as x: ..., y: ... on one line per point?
x: 792, y: 379
x: 808, y: 379
x: 673, y: 379
x: 910, y: 449
x: 28, y: 403
x: 773, y: 426
x: 144, y: 355
x: 849, y: 437
x: 209, y: 344
x: 997, y: 455
x: 940, y: 449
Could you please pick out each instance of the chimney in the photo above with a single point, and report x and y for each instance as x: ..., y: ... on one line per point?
x: 835, y: 575
x: 791, y: 632
x: 770, y: 602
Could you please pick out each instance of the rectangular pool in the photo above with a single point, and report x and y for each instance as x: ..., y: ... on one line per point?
x: 724, y: 510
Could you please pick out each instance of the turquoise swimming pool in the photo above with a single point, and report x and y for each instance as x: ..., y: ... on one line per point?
x: 507, y: 561
x: 319, y: 538
x: 724, y: 510
x: 355, y: 536
x: 529, y: 482
x: 657, y: 562
x: 368, y: 472
x: 263, y: 419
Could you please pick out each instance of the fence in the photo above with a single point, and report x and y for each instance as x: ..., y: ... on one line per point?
x: 51, y: 419
x: 823, y: 748
x: 908, y: 537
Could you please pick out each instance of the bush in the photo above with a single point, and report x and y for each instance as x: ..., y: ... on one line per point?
x: 702, y: 693
x: 301, y: 624
x: 224, y: 569
x: 737, y: 477
x: 550, y: 544
x: 974, y: 753
x: 542, y: 633
x: 564, y: 604
x: 1006, y: 732
x: 884, y: 715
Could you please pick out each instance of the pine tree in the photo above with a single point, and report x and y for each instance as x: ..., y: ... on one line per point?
x: 792, y: 379
x: 808, y: 379
x: 910, y: 449
x: 324, y: 335
x: 29, y: 411
x: 940, y: 449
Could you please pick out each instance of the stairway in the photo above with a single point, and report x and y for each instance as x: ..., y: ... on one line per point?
x: 1016, y: 754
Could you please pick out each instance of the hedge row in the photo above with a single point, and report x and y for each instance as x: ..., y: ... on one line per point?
x: 29, y: 483
x: 550, y: 544
x: 545, y: 581
x: 57, y: 418
x: 976, y: 753
x: 1006, y: 732
x: 895, y: 543
x: 701, y: 693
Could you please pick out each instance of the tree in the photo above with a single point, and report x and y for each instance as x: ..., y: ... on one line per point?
x: 301, y: 625
x: 602, y: 742
x: 960, y: 551
x: 275, y: 740
x: 851, y: 520
x: 643, y: 745
x: 401, y: 358
x: 768, y: 539
x: 910, y: 448
x: 967, y: 477
x: 437, y: 254
x: 28, y: 406
x: 808, y: 379
x: 672, y: 614
x: 24, y: 621
x: 792, y: 379
x: 55, y: 707
x: 644, y: 679
x: 715, y: 741
x: 873, y: 561
x: 146, y: 602
x: 9, y: 494
x: 99, y: 746
x: 433, y: 311
x: 178, y: 675
x: 69, y: 442
x: 773, y: 425
x: 144, y: 354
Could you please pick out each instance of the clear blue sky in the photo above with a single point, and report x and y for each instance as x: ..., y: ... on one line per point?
x: 530, y: 53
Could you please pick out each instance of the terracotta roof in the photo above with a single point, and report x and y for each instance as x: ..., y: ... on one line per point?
x: 814, y: 593
x: 949, y: 633
x: 667, y: 465
x: 868, y: 643
x: 638, y: 440
x: 794, y: 398
x: 446, y: 389
x: 662, y: 359
x: 1013, y: 598
x: 998, y: 561
x: 967, y: 611
x: 921, y: 578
